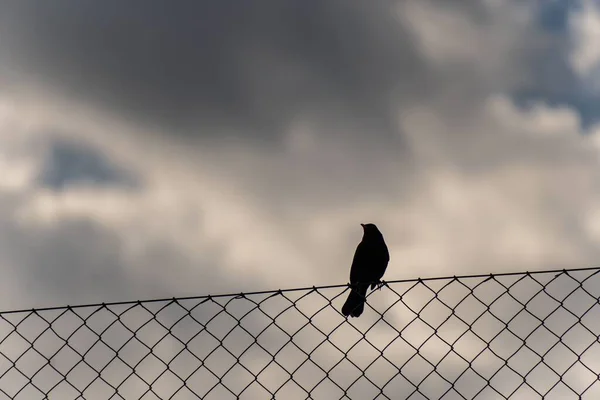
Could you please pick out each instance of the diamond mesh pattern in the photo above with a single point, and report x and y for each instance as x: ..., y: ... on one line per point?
x: 506, y: 336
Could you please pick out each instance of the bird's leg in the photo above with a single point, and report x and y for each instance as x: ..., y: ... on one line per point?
x: 380, y: 284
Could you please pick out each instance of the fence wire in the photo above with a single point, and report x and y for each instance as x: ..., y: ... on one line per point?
x: 507, y: 336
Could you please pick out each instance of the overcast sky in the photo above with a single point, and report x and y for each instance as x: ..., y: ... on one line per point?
x: 153, y: 148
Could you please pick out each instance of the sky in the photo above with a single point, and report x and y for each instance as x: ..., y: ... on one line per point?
x: 153, y: 149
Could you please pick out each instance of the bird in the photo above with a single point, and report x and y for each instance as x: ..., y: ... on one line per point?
x: 368, y: 266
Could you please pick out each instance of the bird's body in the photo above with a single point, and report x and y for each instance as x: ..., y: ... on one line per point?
x: 368, y: 266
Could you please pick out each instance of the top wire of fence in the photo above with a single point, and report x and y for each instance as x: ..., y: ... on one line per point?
x: 523, y: 335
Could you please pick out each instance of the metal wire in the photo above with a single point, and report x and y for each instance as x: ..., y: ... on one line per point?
x: 530, y: 335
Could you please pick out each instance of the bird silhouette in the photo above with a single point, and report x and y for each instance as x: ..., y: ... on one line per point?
x: 368, y: 266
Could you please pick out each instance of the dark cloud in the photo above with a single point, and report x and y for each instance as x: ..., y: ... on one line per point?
x: 223, y: 65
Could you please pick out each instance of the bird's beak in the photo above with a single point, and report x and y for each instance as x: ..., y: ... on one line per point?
x: 363, y: 225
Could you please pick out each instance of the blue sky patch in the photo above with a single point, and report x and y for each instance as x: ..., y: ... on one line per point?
x: 70, y: 163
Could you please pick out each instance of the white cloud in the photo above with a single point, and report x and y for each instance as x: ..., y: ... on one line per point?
x: 523, y: 208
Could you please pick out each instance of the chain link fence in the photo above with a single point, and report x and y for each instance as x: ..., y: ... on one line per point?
x: 506, y: 336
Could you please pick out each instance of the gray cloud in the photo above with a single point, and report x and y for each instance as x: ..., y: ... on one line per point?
x: 224, y: 65
x: 79, y: 258
x: 380, y: 114
x: 215, y: 68
x: 261, y: 70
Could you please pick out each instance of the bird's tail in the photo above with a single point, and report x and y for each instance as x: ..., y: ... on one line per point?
x: 355, y: 304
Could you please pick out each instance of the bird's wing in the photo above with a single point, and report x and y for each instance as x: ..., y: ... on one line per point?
x: 357, y: 270
x: 382, y: 261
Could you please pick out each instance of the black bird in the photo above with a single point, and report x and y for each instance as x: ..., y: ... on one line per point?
x: 368, y: 266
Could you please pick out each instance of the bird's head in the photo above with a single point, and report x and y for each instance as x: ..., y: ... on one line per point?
x: 370, y: 229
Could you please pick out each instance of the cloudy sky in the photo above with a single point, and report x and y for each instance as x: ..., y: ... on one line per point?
x: 151, y: 148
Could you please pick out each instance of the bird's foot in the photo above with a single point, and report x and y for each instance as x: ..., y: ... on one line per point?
x: 380, y: 284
